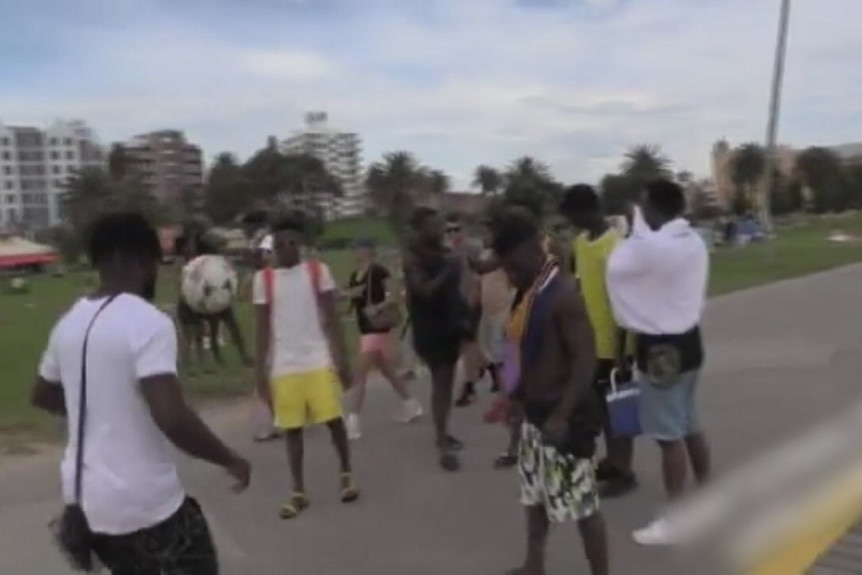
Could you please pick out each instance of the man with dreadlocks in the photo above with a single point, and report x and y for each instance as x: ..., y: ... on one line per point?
x: 561, y: 419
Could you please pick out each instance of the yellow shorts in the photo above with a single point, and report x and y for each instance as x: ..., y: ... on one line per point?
x: 306, y: 398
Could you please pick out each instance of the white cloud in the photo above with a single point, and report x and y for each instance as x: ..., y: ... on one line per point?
x: 288, y: 65
x: 463, y: 83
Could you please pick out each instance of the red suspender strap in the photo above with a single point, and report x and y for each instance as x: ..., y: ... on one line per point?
x: 315, y: 273
x: 268, y: 285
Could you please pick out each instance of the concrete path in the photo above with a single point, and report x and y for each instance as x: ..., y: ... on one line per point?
x: 780, y: 359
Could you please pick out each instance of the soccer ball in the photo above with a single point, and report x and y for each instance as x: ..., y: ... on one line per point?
x: 209, y: 284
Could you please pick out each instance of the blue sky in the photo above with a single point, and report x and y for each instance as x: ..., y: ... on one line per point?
x: 458, y: 82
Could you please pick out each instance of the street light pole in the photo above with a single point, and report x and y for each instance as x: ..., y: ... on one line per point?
x: 774, y: 112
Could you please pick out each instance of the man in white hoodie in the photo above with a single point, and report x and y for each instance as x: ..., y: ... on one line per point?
x: 657, y: 281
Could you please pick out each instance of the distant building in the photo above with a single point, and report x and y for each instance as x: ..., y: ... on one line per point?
x: 341, y: 153
x: 785, y: 156
x: 850, y: 154
x: 166, y: 163
x: 466, y: 204
x: 35, y: 165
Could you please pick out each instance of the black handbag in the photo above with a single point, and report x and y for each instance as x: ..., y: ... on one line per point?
x: 71, y: 529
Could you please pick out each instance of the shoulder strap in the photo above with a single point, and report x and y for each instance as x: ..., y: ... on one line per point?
x: 269, y: 284
x: 82, y: 407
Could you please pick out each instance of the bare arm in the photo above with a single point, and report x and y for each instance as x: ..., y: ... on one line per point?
x: 420, y: 283
x: 48, y: 396
x: 180, y: 424
x: 47, y: 393
x: 262, y: 349
x: 576, y: 336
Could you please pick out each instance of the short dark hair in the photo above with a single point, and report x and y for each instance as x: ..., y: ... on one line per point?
x: 290, y: 221
x: 579, y: 198
x: 127, y: 234
x: 421, y: 215
x: 666, y: 197
x: 511, y: 227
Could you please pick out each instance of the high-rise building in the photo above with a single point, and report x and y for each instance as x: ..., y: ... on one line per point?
x: 166, y: 163
x: 341, y: 153
x: 35, y: 165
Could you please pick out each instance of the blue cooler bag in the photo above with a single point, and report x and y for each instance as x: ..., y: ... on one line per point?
x: 624, y: 407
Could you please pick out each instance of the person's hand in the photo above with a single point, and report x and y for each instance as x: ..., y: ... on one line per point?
x: 264, y: 392
x: 555, y: 429
x: 240, y: 469
x: 622, y: 372
x: 342, y: 369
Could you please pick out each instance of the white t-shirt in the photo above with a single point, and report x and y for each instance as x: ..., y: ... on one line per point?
x: 130, y: 479
x: 657, y: 280
x: 298, y: 342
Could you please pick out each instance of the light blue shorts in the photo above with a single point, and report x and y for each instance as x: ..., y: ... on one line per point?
x: 668, y: 413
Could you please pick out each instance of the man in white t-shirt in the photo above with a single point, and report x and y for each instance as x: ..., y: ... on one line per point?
x: 302, y: 361
x: 657, y: 284
x: 113, y: 357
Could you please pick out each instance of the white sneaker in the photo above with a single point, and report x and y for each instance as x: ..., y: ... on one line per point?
x: 354, y: 430
x: 657, y: 533
x: 410, y: 410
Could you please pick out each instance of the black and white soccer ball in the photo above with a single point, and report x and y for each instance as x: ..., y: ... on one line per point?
x: 209, y: 284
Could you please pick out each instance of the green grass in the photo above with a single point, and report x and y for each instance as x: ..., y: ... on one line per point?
x: 26, y: 319
x: 360, y: 227
x: 801, y: 248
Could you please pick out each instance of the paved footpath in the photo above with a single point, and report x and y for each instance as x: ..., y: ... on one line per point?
x: 780, y: 359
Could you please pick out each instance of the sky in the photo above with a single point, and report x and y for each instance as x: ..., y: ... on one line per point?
x: 457, y: 82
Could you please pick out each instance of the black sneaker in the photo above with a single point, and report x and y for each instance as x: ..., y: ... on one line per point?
x: 619, y: 485
x: 605, y: 471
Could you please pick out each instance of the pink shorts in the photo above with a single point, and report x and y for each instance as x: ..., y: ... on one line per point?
x: 375, y: 342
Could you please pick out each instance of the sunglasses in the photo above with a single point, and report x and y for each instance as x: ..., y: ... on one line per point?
x: 452, y: 230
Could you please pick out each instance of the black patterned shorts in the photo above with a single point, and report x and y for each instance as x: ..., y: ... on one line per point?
x: 563, y: 484
x: 180, y: 545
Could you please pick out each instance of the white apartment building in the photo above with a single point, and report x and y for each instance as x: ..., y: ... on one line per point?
x: 35, y: 165
x: 341, y: 153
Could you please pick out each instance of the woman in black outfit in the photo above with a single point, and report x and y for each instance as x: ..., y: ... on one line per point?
x: 440, y: 319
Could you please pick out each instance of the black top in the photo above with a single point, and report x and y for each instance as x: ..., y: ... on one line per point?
x: 374, y: 283
x: 437, y: 320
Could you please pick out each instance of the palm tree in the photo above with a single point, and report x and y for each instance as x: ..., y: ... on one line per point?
x: 645, y: 162
x: 311, y: 184
x: 437, y: 183
x: 529, y: 182
x: 525, y: 171
x: 820, y: 172
x: 91, y: 192
x: 393, y: 185
x: 747, y: 166
x: 118, y: 163
x: 86, y: 191
x: 488, y: 179
x: 226, y: 191
x: 617, y: 193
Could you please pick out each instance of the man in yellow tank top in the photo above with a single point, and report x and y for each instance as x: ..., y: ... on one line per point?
x: 594, y: 241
